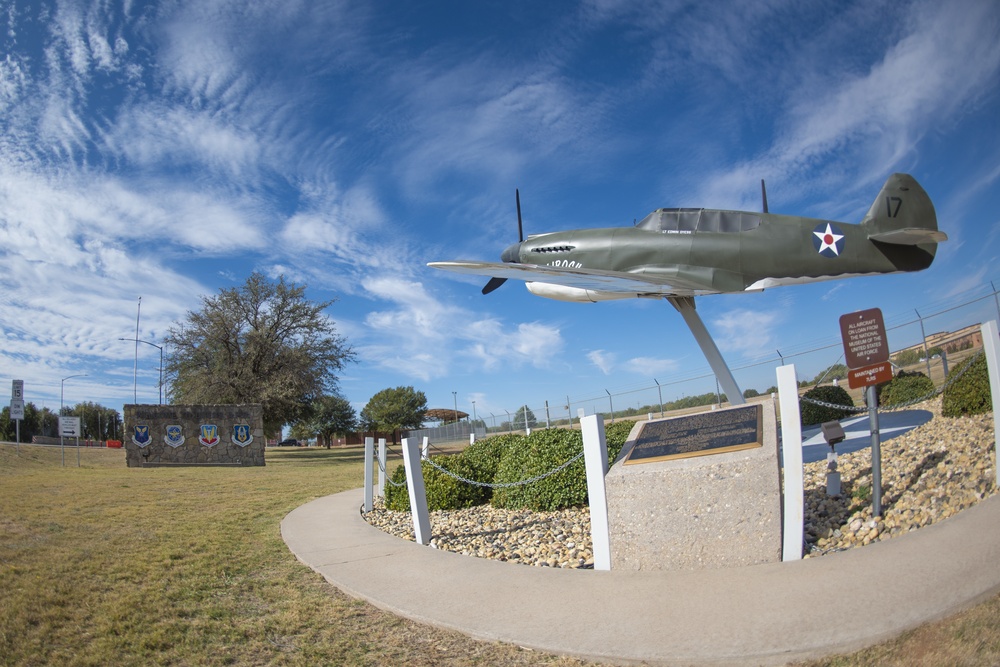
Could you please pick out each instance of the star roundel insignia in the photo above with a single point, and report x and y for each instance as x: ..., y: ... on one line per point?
x: 828, y: 240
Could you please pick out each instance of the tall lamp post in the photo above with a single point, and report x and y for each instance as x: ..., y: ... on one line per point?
x: 135, y: 367
x: 62, y: 447
x: 160, y: 348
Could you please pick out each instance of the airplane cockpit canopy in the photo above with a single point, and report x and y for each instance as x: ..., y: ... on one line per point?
x: 675, y: 220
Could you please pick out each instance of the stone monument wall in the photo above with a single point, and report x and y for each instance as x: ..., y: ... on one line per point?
x: 696, y: 509
x: 230, y: 435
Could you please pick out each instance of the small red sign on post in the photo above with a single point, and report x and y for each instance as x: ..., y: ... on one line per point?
x: 859, y: 378
x: 865, y: 343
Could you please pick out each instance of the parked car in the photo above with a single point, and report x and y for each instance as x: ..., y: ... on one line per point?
x: 289, y: 442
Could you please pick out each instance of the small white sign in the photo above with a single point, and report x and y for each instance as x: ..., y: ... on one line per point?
x: 16, y: 409
x: 17, y: 390
x: 69, y: 427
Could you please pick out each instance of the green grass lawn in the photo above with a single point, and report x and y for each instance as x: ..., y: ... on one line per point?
x: 103, y: 565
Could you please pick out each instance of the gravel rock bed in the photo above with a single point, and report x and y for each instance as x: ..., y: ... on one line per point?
x: 928, y: 474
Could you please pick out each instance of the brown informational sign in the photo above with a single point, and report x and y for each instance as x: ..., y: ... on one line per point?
x: 859, y: 378
x: 698, y: 435
x: 864, y: 338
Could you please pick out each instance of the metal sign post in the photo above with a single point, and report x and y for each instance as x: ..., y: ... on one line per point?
x: 866, y: 350
x: 17, y: 410
x: 69, y: 427
x: 876, y: 452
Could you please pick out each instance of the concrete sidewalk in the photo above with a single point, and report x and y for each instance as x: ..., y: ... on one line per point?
x: 760, y: 615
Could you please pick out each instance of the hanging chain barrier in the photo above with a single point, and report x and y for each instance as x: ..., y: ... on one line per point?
x: 508, y: 485
x: 899, y: 406
x: 503, y: 485
x: 388, y: 477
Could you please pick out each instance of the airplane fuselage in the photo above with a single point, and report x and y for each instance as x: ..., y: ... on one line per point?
x: 744, y: 252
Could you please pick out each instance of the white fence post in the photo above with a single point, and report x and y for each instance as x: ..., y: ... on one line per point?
x: 990, y: 347
x: 369, y: 463
x: 418, y: 496
x: 426, y: 447
x: 381, y: 467
x: 791, y: 455
x: 595, y: 454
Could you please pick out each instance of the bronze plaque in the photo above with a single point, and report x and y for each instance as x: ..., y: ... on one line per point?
x: 705, y: 433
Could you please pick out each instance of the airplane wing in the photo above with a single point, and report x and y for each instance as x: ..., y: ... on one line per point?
x: 614, y: 282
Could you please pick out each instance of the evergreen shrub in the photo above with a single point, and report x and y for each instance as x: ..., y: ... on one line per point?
x: 478, y: 461
x: 905, y: 387
x: 817, y: 414
x: 541, y: 452
x: 969, y: 394
x: 518, y: 457
x: 615, y: 437
x: 444, y: 492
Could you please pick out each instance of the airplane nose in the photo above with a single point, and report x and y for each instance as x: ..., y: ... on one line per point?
x: 511, y: 254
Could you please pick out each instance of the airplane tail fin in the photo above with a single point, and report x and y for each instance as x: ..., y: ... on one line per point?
x: 903, y: 214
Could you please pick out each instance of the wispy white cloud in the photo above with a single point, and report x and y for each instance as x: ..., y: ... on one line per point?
x: 604, y: 361
x: 650, y: 366
x: 745, y: 331
x: 424, y: 338
x: 855, y: 127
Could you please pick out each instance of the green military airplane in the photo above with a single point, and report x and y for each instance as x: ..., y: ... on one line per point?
x: 681, y: 253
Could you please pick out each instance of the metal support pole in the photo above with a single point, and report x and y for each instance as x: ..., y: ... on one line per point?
x: 876, y: 452
x: 923, y: 336
x: 135, y: 368
x: 685, y: 306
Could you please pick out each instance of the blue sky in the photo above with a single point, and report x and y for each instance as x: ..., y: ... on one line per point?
x: 167, y: 150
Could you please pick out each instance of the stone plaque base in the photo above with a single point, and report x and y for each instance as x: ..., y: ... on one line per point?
x: 709, y: 510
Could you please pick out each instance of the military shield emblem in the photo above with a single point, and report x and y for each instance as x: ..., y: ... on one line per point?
x: 241, y: 435
x: 174, y: 437
x: 209, y: 435
x: 140, y: 435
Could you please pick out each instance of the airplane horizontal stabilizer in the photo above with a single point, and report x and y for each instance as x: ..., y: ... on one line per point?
x: 910, y: 236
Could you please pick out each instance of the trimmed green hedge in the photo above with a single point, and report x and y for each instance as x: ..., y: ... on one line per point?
x: 969, y: 394
x: 543, y: 451
x: 817, y: 414
x: 478, y: 461
x: 444, y: 492
x: 510, y: 458
x: 905, y: 387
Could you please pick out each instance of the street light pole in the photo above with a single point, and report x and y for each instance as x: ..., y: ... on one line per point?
x: 160, y: 348
x: 135, y: 367
x: 62, y: 446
